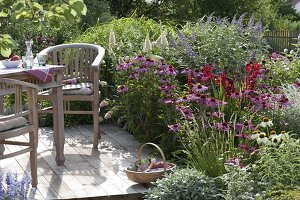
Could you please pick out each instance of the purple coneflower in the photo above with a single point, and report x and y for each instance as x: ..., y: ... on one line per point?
x: 186, y: 71
x: 140, y: 58
x: 141, y: 69
x: 198, y: 88
x: 175, y: 127
x: 149, y: 63
x: 197, y: 73
x: 170, y: 70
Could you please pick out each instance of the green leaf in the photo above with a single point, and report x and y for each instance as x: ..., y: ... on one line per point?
x: 3, y: 14
x: 79, y: 7
x: 37, y: 6
x: 5, y: 52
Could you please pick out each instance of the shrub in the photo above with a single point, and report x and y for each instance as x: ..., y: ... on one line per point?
x: 240, y: 184
x: 188, y: 184
x: 141, y: 81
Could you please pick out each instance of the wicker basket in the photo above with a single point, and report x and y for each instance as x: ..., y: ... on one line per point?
x: 151, y: 176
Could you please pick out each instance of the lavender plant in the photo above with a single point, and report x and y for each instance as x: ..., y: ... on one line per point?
x: 12, y: 188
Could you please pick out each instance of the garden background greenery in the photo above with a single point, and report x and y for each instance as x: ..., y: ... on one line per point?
x: 203, y: 85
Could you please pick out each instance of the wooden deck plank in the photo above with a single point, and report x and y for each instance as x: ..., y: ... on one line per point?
x: 87, y: 173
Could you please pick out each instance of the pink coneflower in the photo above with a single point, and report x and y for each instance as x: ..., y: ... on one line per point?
x: 212, y: 102
x: 186, y: 71
x: 243, y: 136
x: 164, y: 80
x: 224, y: 126
x: 134, y: 75
x: 122, y: 89
x: 187, y: 113
x: 175, y: 127
x: 235, y: 95
x: 140, y: 58
x: 198, y: 88
x: 197, y: 73
x: 149, y: 63
x: 166, y: 88
x: 164, y: 66
x: 170, y: 70
x: 218, y: 114
x: 141, y: 69
x: 183, y: 99
x: 124, y: 66
x: 168, y: 101
x: 161, y: 71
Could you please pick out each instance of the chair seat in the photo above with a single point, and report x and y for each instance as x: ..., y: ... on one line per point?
x: 12, y: 123
x: 77, y: 89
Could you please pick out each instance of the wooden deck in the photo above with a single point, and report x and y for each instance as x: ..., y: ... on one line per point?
x: 86, y: 174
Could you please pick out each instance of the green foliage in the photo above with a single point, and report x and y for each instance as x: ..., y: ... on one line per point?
x: 240, y: 184
x: 280, y: 164
x: 214, y: 40
x: 98, y: 12
x: 290, y: 116
x: 52, y: 15
x: 140, y: 103
x: 188, y: 184
x: 205, y: 149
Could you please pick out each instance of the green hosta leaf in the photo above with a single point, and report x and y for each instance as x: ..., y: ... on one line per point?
x: 3, y: 13
x: 59, y: 10
x: 78, y: 6
x: 37, y: 6
x: 18, y: 6
x: 5, y: 52
x: 68, y: 15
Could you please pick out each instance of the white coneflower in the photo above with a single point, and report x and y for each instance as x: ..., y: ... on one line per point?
x: 101, y: 119
x: 262, y: 139
x: 108, y: 115
x: 266, y: 122
x: 111, y: 39
x: 104, y: 103
x: 147, y: 44
x: 255, y: 135
x: 284, y: 135
x: 103, y: 83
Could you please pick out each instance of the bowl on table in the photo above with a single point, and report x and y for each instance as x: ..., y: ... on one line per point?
x: 11, y: 64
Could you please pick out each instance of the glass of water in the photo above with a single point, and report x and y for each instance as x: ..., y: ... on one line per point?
x: 42, y: 59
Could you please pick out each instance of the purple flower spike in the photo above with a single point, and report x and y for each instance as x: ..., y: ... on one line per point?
x: 175, y: 127
x: 122, y: 89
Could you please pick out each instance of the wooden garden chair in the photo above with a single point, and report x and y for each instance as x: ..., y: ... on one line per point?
x: 81, y: 78
x: 24, y: 120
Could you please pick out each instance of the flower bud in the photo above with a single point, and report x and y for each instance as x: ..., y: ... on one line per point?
x: 104, y: 103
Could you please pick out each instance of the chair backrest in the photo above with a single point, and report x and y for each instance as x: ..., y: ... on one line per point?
x: 80, y: 59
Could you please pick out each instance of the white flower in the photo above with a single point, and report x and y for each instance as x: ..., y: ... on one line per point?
x: 284, y: 135
x: 112, y: 39
x: 162, y: 40
x: 104, y: 103
x: 275, y: 140
x: 111, y: 53
x: 285, y: 50
x: 266, y: 122
x: 103, y: 83
x: 147, y: 44
x: 264, y: 141
x: 101, y: 119
x: 108, y: 115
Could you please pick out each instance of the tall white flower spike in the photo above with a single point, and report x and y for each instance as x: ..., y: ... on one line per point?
x: 147, y: 44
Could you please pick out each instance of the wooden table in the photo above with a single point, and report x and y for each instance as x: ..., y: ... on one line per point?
x: 58, y: 115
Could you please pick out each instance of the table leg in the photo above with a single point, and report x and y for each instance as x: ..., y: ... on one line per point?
x: 1, y: 105
x: 58, y: 121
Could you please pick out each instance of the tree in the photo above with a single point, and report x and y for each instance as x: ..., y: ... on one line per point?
x: 45, y: 13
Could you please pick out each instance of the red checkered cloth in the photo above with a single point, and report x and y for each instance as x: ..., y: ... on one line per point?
x: 43, y: 73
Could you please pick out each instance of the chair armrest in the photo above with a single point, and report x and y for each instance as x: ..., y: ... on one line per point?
x: 99, y: 58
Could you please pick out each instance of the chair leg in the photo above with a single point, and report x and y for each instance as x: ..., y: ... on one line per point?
x: 2, y: 149
x: 33, y: 158
x: 96, y: 126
